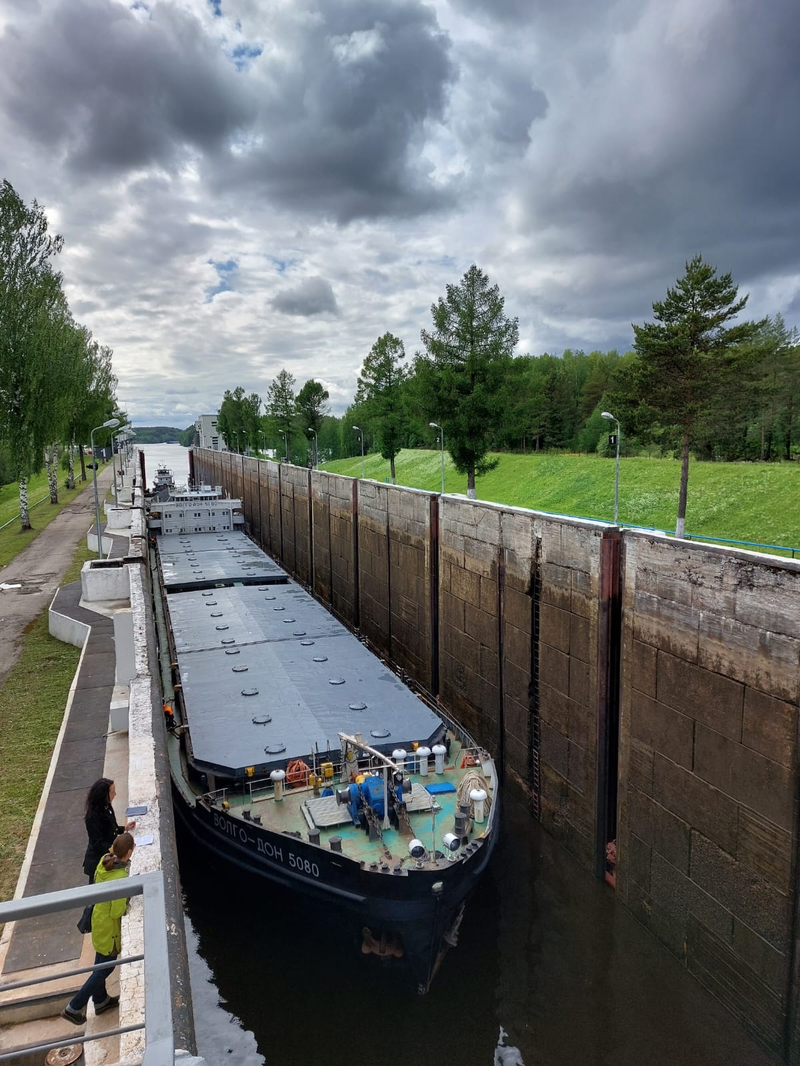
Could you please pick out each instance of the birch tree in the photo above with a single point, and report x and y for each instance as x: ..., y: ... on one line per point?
x: 30, y: 294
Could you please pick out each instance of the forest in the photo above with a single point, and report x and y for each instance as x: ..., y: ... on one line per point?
x: 699, y: 380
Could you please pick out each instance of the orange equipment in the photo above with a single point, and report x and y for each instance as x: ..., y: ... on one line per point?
x: 297, y: 773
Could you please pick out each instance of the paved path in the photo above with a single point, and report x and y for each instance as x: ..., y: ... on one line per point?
x: 79, y: 760
x: 40, y: 567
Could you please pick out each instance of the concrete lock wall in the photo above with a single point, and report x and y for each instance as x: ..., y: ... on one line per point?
x: 708, y: 766
x: 634, y: 687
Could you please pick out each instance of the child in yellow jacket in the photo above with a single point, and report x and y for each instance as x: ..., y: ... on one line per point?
x: 106, y: 934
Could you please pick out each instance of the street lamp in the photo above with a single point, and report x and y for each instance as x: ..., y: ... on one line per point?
x: 286, y: 438
x: 263, y: 436
x: 360, y: 431
x: 435, y: 425
x: 618, y: 434
x: 315, y: 457
x: 110, y: 424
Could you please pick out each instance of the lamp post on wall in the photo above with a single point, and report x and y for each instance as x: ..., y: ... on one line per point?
x: 315, y: 457
x: 435, y: 425
x: 106, y: 425
x: 360, y: 432
x: 617, y: 435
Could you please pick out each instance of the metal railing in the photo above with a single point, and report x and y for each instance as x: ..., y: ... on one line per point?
x: 700, y: 537
x: 30, y: 508
x: 703, y: 537
x: 263, y: 788
x: 159, y: 1046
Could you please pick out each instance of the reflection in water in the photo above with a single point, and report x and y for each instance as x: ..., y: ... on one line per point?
x: 505, y: 1055
x: 545, y: 956
x: 219, y: 1032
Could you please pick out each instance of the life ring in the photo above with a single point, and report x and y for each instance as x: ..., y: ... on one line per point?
x: 297, y: 774
x: 468, y: 760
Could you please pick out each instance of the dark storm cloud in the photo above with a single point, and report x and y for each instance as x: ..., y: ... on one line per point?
x: 500, y: 104
x: 344, y: 108
x: 693, y: 149
x: 113, y: 91
x: 314, y: 296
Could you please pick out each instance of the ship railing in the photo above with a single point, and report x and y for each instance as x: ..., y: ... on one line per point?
x: 264, y: 788
x: 159, y: 1042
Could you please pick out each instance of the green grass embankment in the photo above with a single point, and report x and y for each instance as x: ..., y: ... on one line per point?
x: 30, y: 718
x: 757, y: 502
x: 12, y: 541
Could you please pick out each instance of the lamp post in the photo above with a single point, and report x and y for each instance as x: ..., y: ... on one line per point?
x: 360, y: 432
x: 286, y: 438
x: 263, y: 436
x: 314, y: 457
x: 618, y: 434
x: 106, y: 425
x: 435, y: 425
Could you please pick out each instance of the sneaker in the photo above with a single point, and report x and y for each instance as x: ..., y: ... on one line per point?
x: 108, y: 1004
x: 77, y: 1017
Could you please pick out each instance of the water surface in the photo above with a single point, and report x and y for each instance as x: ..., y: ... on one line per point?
x: 549, y: 971
x: 170, y: 455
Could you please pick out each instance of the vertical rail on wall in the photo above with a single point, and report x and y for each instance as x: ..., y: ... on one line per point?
x: 247, y: 524
x: 609, y: 637
x: 280, y: 510
x: 265, y: 486
x: 791, y: 1032
x: 388, y: 578
x: 310, y: 534
x: 141, y: 469
x: 330, y: 548
x: 534, y: 723
x: 501, y: 688
x: 294, y: 529
x: 260, y: 515
x: 356, y: 593
x: 433, y: 586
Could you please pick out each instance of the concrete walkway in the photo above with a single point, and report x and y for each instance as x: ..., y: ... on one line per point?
x: 51, y: 944
x: 40, y: 567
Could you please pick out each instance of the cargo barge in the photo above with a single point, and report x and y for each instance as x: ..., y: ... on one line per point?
x: 298, y: 754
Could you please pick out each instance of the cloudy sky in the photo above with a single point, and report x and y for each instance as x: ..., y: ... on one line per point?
x: 246, y: 185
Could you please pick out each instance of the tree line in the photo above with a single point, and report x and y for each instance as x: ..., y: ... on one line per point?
x: 56, y: 381
x: 699, y: 380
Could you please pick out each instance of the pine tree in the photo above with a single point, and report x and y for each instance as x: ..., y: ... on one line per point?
x: 688, y: 352
x: 381, y: 393
x: 281, y: 407
x: 459, y: 382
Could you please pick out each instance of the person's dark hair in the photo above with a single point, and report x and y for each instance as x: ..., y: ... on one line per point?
x: 119, y: 849
x: 97, y: 797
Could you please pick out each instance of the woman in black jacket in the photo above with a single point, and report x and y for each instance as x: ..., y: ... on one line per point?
x: 101, y: 824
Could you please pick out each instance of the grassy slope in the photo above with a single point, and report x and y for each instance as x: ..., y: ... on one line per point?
x: 12, y: 541
x: 30, y: 718
x: 742, y: 501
